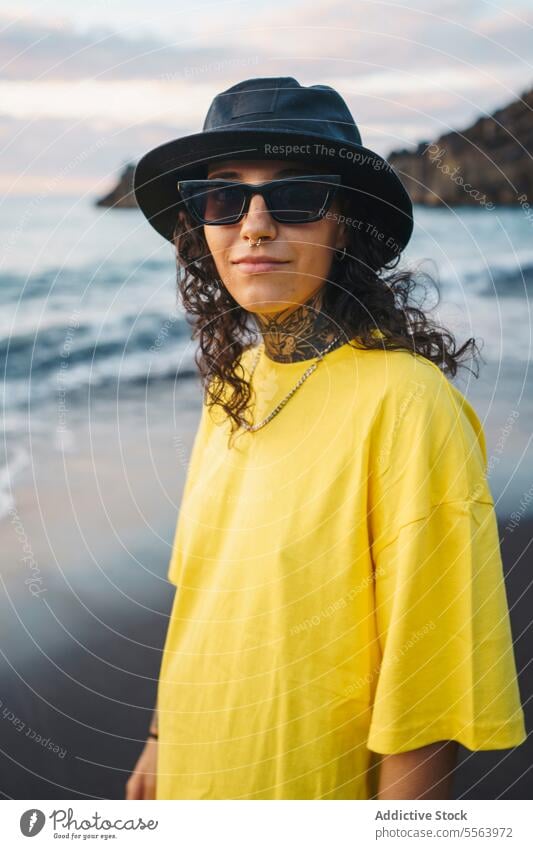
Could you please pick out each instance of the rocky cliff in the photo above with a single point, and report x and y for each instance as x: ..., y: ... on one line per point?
x: 487, y: 164
x: 122, y: 195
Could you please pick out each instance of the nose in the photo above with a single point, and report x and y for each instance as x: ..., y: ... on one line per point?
x: 257, y: 222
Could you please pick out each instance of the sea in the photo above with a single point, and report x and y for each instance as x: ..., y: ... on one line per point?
x: 88, y: 310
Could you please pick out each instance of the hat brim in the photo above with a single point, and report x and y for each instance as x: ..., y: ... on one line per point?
x: 388, y: 204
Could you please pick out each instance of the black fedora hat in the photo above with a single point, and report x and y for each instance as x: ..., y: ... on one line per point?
x: 277, y: 118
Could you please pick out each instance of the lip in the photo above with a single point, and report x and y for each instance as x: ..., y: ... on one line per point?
x: 254, y: 267
x: 263, y: 263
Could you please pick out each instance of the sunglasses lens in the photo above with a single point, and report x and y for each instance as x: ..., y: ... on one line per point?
x: 298, y: 202
x: 218, y: 205
x: 290, y: 202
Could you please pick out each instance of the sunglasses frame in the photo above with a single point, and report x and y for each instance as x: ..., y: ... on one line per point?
x: 262, y: 189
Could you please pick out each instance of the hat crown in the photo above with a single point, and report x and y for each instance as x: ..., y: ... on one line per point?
x: 281, y: 103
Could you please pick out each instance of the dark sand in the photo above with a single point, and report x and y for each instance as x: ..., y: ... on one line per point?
x: 79, y: 663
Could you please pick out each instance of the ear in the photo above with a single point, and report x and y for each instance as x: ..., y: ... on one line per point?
x: 341, y: 240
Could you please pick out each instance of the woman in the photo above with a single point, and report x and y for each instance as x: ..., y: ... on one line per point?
x: 341, y: 622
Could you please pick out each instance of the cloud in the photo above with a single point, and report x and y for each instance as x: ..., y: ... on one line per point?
x: 40, y: 50
x: 67, y: 157
x: 406, y: 72
x: 122, y: 102
x: 358, y: 39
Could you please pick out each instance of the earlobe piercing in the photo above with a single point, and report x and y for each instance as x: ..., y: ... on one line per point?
x: 340, y: 255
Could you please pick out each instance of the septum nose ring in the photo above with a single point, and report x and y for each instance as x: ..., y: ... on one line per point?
x: 256, y: 244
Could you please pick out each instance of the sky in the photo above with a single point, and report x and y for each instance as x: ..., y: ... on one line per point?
x: 87, y: 87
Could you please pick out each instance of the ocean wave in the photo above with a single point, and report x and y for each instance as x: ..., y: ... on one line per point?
x: 56, y: 345
x: 508, y: 282
x: 60, y: 281
x: 8, y: 472
x: 109, y: 374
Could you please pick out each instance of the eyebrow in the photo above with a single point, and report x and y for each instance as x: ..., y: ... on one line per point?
x: 230, y: 174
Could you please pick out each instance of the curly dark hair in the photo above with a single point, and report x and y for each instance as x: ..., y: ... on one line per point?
x: 364, y: 292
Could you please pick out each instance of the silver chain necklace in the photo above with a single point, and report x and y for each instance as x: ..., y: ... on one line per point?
x: 282, y: 403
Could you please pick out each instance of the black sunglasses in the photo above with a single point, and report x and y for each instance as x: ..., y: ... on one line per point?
x: 293, y: 200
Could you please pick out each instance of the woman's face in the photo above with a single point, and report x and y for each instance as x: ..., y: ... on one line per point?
x: 306, y: 250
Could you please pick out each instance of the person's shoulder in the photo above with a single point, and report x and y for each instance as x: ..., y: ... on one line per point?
x: 416, y: 374
x: 426, y: 430
x: 395, y: 373
x: 415, y: 391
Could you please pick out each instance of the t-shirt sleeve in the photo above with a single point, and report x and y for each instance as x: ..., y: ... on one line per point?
x: 446, y: 663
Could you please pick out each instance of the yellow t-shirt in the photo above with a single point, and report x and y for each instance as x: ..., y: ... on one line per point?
x: 340, y: 587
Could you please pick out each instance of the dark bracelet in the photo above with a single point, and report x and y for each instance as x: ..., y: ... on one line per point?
x: 151, y: 734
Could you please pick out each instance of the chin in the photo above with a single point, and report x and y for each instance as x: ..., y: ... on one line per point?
x: 256, y: 297
x: 266, y: 305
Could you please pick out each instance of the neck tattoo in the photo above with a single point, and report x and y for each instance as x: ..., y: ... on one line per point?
x: 298, y: 334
